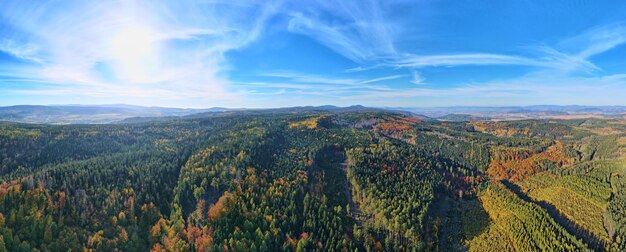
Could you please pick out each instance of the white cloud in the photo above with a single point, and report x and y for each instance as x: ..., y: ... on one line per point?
x: 536, y: 88
x: 596, y: 40
x: 551, y: 59
x: 358, y: 30
x: 132, y: 48
x: 361, y: 69
x: 323, y: 80
x: 21, y: 51
x: 176, y: 50
x: 362, y: 31
x: 385, y: 78
x: 416, y: 78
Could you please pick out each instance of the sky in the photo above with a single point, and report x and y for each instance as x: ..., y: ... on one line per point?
x: 257, y: 54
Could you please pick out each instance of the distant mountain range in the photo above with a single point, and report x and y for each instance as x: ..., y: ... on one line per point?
x: 98, y: 114
x: 518, y: 112
x: 76, y: 114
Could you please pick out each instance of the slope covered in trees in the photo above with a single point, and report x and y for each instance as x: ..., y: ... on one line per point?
x: 313, y: 180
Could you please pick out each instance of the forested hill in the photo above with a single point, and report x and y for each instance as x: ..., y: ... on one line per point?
x: 313, y: 180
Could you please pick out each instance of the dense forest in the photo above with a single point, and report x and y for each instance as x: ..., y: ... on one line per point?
x: 314, y: 180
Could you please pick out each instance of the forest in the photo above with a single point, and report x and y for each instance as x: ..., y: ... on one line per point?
x: 314, y: 180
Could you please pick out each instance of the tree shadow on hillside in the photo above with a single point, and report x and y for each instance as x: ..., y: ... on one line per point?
x: 475, y: 219
x: 571, y: 227
x: 459, y: 220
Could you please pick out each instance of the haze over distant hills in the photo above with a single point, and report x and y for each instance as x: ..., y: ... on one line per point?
x: 470, y: 113
x: 70, y: 114
x: 98, y: 114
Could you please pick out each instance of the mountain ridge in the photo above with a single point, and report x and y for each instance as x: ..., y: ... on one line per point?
x: 110, y: 113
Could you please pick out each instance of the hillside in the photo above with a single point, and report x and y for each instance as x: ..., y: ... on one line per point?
x: 314, y: 179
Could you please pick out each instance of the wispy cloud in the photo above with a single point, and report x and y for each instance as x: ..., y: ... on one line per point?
x: 366, y: 37
x: 299, y: 83
x: 417, y: 61
x: 416, y: 78
x: 550, y: 59
x: 179, y: 50
x: 317, y: 79
x: 358, y: 30
x: 132, y: 48
x: 22, y: 51
x: 554, y: 75
x: 362, y: 68
x: 385, y: 78
x: 531, y: 89
x: 596, y: 40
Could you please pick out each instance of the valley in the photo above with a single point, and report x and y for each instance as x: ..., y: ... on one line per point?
x: 314, y: 180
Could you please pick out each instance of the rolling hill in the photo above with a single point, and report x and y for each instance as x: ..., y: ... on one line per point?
x: 313, y: 179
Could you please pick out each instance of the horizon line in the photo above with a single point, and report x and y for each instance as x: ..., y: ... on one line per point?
x: 300, y: 106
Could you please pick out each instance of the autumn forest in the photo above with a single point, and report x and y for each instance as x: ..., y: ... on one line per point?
x: 314, y: 180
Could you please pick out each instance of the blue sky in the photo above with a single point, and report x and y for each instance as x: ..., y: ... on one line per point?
x: 290, y: 53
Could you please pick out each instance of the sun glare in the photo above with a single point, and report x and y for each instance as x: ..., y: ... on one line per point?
x: 135, y: 54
